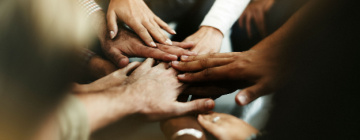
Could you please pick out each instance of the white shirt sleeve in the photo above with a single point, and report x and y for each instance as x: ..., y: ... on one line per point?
x: 224, y: 13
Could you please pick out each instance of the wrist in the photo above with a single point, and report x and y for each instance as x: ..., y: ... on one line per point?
x: 212, y: 31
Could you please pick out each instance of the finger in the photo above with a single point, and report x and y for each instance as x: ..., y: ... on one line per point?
x: 164, y: 25
x: 208, y: 124
x: 111, y: 24
x: 260, y: 23
x: 195, y: 106
x: 248, y: 25
x: 200, y: 64
x: 249, y: 94
x: 157, y: 54
x: 210, y: 55
x: 184, y: 45
x: 147, y: 64
x: 118, y: 58
x: 157, y: 33
x: 163, y: 65
x: 209, y: 74
x: 175, y: 50
x: 130, y: 67
x: 241, y: 19
x: 143, y: 33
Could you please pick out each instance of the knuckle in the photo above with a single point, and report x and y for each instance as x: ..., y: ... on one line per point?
x: 207, y: 72
x: 203, y: 63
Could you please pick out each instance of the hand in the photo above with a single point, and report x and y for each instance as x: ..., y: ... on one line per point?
x: 206, y: 39
x: 256, y: 11
x: 259, y: 69
x: 137, y: 15
x: 98, y: 67
x: 154, y: 91
x: 127, y: 44
x: 227, y: 127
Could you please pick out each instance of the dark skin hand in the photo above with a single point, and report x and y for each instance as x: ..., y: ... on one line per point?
x: 256, y: 12
x: 127, y: 44
x: 254, y: 69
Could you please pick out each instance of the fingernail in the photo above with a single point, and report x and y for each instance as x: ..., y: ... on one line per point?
x: 112, y: 34
x: 209, y: 104
x: 242, y: 99
x: 173, y: 31
x: 172, y: 57
x: 152, y: 44
x: 192, y: 53
x: 168, y: 41
x: 181, y: 76
x: 184, y: 57
x: 175, y: 62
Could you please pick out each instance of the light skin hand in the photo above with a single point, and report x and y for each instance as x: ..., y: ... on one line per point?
x: 158, y: 89
x: 228, y: 127
x: 256, y: 11
x: 138, y: 16
x: 150, y: 91
x: 103, y: 98
x: 206, y: 40
x: 255, y: 68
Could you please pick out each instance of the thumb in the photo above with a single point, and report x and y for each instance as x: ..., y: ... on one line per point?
x: 118, y: 58
x: 130, y: 67
x: 111, y: 24
x: 195, y: 106
x: 249, y: 94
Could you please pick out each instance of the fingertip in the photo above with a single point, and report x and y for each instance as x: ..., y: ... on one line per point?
x: 184, y: 57
x: 173, y: 32
x: 181, y: 76
x: 123, y: 62
x: 174, y: 63
x: 152, y: 44
x: 171, y: 57
x: 168, y: 42
x: 242, y: 98
x: 112, y: 34
x: 209, y: 104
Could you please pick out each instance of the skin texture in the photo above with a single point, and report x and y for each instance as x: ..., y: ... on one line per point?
x: 99, y: 67
x: 253, y: 69
x: 206, y: 40
x: 228, y: 127
x: 127, y: 44
x: 138, y: 16
x: 256, y: 12
x: 143, y: 92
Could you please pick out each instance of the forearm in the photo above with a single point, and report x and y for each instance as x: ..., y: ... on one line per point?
x: 308, y: 20
x: 105, y: 108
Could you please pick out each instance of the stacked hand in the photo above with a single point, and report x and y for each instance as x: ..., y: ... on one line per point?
x: 254, y: 69
x: 206, y: 40
x: 127, y: 44
x: 149, y: 90
x: 226, y: 127
x: 137, y: 15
